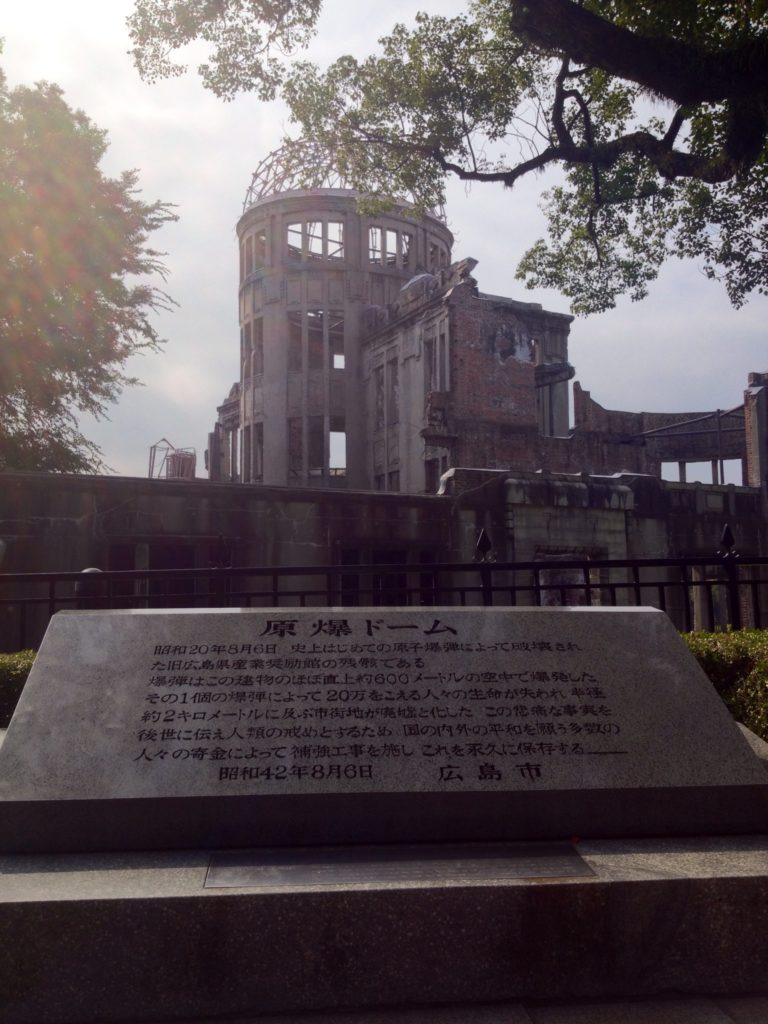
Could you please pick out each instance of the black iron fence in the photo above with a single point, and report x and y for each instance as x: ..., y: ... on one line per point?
x: 722, y: 591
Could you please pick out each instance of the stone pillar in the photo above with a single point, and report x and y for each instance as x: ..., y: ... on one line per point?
x: 756, y: 428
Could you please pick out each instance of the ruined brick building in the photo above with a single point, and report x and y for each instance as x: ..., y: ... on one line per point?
x: 370, y: 360
x: 387, y: 410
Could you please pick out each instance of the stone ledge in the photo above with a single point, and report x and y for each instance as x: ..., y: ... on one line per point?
x: 736, y: 1010
x: 85, y: 937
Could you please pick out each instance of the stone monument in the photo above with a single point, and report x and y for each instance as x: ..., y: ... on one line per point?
x: 310, y: 801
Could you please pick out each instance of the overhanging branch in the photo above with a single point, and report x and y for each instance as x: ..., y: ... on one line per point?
x: 677, y: 70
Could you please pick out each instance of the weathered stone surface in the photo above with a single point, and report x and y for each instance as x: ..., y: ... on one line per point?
x: 102, y: 937
x: 270, y: 726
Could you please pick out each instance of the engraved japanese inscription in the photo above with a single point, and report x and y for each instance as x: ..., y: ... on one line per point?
x: 356, y: 698
x: 282, y: 701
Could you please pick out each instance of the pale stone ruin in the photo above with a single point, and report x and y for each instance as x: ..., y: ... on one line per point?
x: 370, y: 360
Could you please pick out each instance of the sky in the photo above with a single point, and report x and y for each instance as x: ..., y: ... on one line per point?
x: 682, y: 348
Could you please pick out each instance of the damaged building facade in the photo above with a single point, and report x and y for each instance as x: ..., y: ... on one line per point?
x: 371, y: 360
x: 387, y: 411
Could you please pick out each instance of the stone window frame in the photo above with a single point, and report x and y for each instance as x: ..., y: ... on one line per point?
x: 254, y: 251
x: 309, y: 239
x: 395, y: 246
x: 436, y: 354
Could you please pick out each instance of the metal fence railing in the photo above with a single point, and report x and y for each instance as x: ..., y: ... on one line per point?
x: 721, y: 591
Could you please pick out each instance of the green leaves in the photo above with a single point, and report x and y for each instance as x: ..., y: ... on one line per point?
x: 515, y: 87
x: 72, y: 245
x: 600, y: 248
x: 14, y: 669
x: 737, y: 665
x: 248, y: 39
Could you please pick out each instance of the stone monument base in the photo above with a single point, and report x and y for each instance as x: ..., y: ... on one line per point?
x: 154, y: 937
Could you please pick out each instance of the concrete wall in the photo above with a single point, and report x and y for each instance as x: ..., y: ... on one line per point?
x: 67, y: 523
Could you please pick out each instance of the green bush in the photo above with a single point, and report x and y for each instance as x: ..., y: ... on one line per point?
x: 14, y: 669
x: 737, y: 664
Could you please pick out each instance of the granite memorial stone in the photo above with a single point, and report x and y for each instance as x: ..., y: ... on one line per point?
x: 187, y: 728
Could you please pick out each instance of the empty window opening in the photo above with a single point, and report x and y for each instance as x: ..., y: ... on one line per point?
x: 430, y: 375
x: 257, y: 296
x: 389, y: 247
x: 337, y: 445
x: 315, y: 240
x: 433, y: 256
x: 315, y: 318
x: 260, y: 249
x: 698, y: 472
x: 732, y: 472
x: 393, y: 480
x: 258, y: 357
x: 335, y: 240
x: 374, y: 245
x: 294, y: 241
x: 245, y: 346
x: 727, y: 471
x: 336, y: 339
x: 391, y: 250
x: 406, y: 244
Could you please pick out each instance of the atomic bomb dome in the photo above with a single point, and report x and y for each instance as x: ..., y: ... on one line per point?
x: 369, y: 359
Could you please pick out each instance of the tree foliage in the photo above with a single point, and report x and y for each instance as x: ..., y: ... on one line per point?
x: 654, y: 112
x: 74, y: 305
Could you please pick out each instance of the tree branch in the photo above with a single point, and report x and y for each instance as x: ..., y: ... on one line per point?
x: 680, y: 71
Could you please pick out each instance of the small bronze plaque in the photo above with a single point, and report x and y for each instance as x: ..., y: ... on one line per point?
x: 351, y: 865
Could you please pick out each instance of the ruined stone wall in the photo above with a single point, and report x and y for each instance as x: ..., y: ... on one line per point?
x: 669, y: 437
x: 507, y: 447
x: 533, y: 515
x: 452, y: 377
x: 589, y: 415
x: 68, y: 523
x: 493, y: 360
x: 756, y: 423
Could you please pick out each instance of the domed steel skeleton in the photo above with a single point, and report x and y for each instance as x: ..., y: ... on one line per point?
x: 299, y: 164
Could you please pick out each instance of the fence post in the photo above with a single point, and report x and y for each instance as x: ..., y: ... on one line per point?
x: 89, y: 589
x: 730, y: 559
x: 484, y: 554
